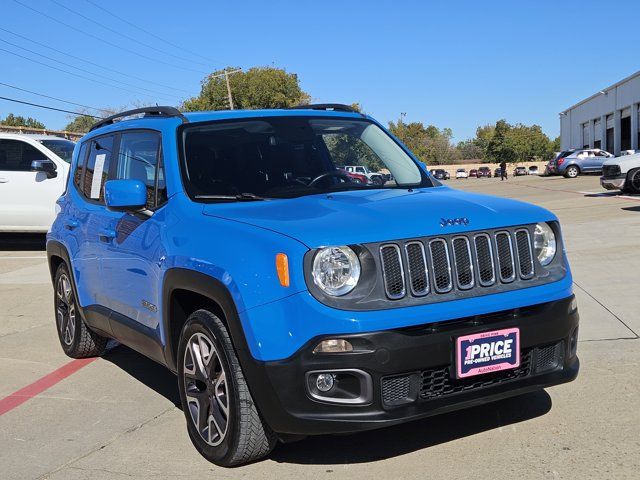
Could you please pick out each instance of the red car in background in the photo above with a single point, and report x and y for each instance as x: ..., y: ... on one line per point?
x: 484, y: 172
x: 473, y: 173
x: 357, y: 177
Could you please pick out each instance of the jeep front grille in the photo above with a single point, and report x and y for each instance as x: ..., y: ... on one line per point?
x: 456, y: 263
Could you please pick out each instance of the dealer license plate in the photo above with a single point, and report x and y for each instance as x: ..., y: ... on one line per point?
x: 487, y: 352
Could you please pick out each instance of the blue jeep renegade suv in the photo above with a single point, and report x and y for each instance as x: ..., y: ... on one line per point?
x: 290, y: 299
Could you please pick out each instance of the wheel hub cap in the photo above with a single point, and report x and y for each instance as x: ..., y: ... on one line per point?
x: 65, y: 310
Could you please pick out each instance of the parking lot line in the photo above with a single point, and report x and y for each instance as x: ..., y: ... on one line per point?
x: 18, y: 397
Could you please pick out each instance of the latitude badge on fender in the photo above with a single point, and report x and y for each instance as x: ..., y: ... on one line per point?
x: 450, y: 222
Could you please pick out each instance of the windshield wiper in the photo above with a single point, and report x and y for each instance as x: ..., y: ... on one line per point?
x: 241, y: 197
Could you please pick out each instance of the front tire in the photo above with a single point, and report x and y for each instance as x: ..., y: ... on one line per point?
x: 222, y: 420
x: 632, y: 185
x: 76, y: 339
x: 572, y: 171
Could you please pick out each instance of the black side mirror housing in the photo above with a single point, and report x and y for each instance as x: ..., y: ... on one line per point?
x: 47, y: 166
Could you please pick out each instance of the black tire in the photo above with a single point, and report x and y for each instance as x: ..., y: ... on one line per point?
x: 632, y: 185
x: 242, y: 436
x: 76, y: 339
x: 572, y: 171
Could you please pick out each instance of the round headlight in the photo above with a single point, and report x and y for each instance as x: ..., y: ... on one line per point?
x: 544, y: 241
x: 336, y: 270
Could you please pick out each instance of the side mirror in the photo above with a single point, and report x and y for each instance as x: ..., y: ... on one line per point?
x: 125, y: 195
x: 47, y: 166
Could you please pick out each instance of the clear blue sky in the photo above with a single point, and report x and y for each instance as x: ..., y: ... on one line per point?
x: 456, y: 64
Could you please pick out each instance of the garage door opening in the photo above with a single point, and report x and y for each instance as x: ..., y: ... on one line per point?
x: 625, y: 133
x: 610, y: 146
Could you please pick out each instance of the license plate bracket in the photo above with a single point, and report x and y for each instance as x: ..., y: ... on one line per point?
x: 487, y: 352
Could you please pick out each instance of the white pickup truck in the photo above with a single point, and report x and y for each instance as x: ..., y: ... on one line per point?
x: 33, y: 174
x: 622, y: 173
x: 374, y: 178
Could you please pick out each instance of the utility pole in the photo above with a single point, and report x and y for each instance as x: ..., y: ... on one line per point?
x: 226, y: 77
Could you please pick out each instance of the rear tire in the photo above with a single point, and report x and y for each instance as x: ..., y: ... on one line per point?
x: 76, y: 339
x: 571, y: 172
x: 222, y: 420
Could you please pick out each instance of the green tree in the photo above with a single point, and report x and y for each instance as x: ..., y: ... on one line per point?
x: 470, y: 150
x: 430, y: 144
x: 498, y: 148
x: 81, y: 124
x: 258, y: 87
x: 18, y: 121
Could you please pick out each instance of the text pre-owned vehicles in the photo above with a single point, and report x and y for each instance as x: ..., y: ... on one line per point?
x: 572, y: 163
x: 462, y: 173
x: 622, y: 173
x: 228, y: 247
x: 33, y: 174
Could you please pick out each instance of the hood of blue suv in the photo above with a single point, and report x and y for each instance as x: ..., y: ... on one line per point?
x: 353, y: 217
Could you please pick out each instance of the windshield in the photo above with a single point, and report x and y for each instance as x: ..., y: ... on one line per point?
x: 291, y: 156
x: 62, y: 148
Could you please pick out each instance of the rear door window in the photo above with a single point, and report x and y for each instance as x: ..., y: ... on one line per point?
x: 96, y: 170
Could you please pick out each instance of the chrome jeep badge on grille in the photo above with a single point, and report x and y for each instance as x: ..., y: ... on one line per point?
x: 450, y: 222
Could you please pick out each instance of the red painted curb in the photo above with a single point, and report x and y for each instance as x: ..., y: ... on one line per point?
x: 17, y: 398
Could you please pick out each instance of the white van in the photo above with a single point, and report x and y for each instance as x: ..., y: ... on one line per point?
x: 33, y: 174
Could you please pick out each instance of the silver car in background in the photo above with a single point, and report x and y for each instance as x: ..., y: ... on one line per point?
x: 572, y: 163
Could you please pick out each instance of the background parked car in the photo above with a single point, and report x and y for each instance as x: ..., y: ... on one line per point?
x: 519, y: 171
x: 374, y: 178
x: 441, y: 174
x: 622, y: 173
x: 462, y: 173
x: 533, y: 170
x: 484, y: 172
x: 33, y: 174
x: 473, y: 173
x: 497, y: 172
x: 588, y: 160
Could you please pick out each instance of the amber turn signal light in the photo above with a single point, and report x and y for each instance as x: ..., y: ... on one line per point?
x: 282, y: 267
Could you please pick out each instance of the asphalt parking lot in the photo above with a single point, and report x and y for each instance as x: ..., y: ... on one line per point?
x: 119, y: 416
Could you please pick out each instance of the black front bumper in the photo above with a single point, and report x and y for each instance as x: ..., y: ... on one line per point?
x: 410, y: 372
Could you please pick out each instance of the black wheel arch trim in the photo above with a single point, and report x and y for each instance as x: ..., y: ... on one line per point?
x: 257, y: 377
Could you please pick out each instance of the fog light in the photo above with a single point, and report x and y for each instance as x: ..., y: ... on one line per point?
x: 333, y: 345
x: 324, y: 382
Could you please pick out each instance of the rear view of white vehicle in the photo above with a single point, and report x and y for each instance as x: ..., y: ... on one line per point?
x: 33, y: 174
x: 461, y: 173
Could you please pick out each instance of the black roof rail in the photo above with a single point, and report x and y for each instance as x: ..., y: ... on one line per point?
x: 148, y: 111
x: 338, y: 107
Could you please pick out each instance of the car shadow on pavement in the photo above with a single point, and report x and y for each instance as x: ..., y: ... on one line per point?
x: 409, y: 437
x: 631, y: 209
x: 16, y: 242
x: 155, y: 376
x: 361, y: 447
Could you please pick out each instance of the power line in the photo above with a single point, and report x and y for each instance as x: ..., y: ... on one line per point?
x: 119, y: 33
x: 70, y: 73
x: 50, y: 97
x: 88, y: 71
x: 91, y: 63
x: 147, y: 31
x: 115, y: 45
x: 50, y: 108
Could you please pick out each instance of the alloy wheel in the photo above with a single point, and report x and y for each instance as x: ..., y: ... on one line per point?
x: 572, y: 172
x: 206, y: 389
x: 65, y: 310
